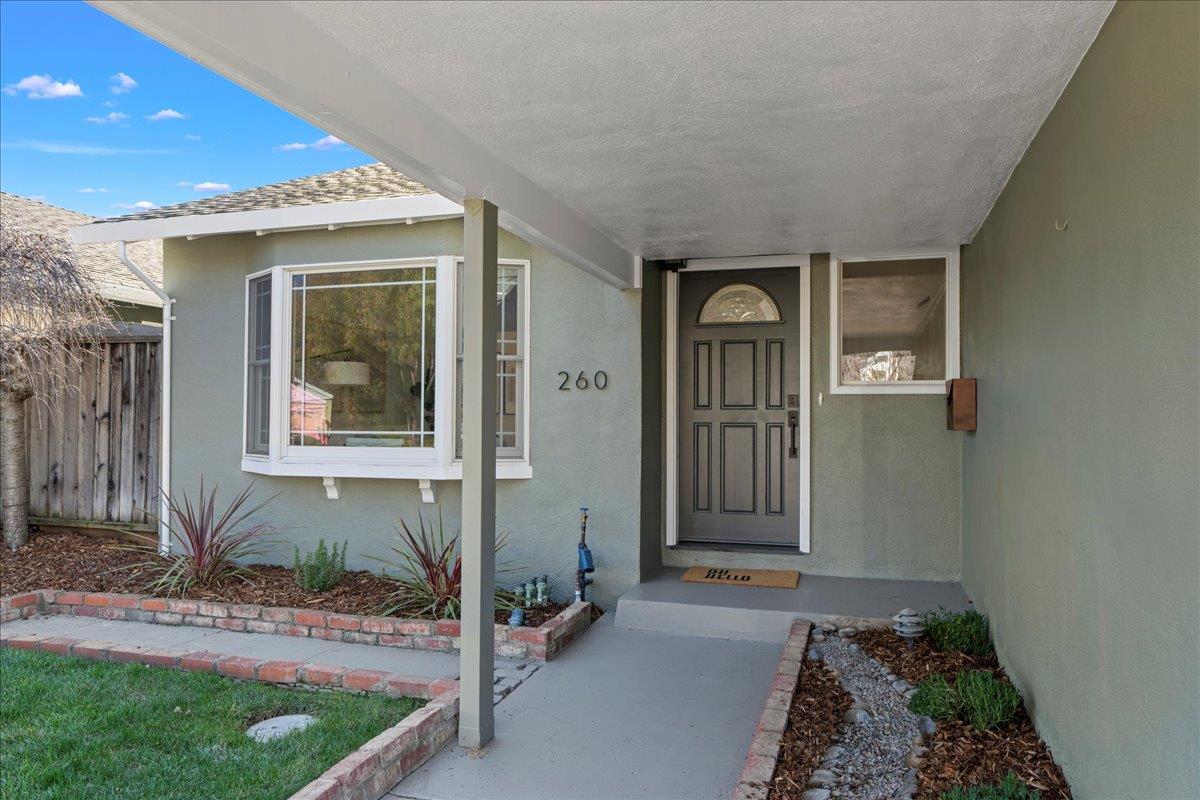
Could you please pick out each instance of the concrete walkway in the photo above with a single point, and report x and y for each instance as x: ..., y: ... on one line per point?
x: 620, y: 715
x: 250, y: 645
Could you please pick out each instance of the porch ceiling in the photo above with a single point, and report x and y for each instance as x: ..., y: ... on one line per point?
x: 668, y: 130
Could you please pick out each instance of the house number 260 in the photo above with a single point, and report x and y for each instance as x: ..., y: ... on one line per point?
x: 599, y: 380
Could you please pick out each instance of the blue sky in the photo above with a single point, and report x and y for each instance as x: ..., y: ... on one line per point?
x: 82, y: 122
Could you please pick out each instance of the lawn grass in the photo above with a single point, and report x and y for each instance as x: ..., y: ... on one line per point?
x: 71, y: 728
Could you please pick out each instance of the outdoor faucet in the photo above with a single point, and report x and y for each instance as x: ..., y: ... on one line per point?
x: 586, y: 564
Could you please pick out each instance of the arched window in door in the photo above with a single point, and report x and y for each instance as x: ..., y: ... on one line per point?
x: 739, y: 304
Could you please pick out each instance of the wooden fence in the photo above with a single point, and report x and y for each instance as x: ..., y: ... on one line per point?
x: 93, y: 460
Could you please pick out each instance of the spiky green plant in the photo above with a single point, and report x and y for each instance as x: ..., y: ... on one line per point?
x: 977, y: 697
x: 1011, y: 788
x: 984, y: 700
x: 935, y: 698
x: 964, y: 631
x: 321, y: 569
x: 209, y: 544
x: 427, y: 570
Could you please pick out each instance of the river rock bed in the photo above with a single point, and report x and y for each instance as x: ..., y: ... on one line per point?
x: 875, y: 754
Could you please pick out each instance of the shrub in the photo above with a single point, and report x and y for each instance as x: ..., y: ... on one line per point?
x: 984, y: 700
x: 428, y: 572
x: 976, y: 697
x: 210, y: 544
x: 1011, y: 788
x: 965, y: 631
x: 321, y: 569
x: 935, y: 698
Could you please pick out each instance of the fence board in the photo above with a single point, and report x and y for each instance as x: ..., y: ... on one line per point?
x: 95, y: 456
x: 70, y: 451
x: 54, y: 452
x: 103, y: 420
x: 87, y: 434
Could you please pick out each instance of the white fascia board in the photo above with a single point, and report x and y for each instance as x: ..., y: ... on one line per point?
x: 269, y: 52
x: 355, y: 212
x: 123, y: 294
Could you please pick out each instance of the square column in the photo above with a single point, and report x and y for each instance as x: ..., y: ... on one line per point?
x: 477, y: 657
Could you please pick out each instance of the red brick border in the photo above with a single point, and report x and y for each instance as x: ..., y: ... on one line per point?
x: 759, y: 767
x: 265, y: 670
x: 366, y: 774
x: 532, y: 644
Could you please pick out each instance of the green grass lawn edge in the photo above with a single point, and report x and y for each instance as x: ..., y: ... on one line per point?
x: 72, y: 728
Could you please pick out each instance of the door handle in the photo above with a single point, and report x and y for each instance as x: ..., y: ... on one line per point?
x: 792, y: 434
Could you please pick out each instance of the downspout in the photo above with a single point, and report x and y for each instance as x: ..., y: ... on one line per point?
x: 164, y: 440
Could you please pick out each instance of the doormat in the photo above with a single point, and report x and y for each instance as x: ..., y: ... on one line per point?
x: 768, y: 578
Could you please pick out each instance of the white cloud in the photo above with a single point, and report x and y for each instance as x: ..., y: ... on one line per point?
x: 324, y: 143
x: 43, y: 87
x: 211, y: 186
x: 122, y: 84
x: 90, y: 190
x: 140, y: 205
x: 72, y: 149
x: 110, y: 104
x: 112, y: 117
x: 166, y: 113
x: 185, y: 184
x: 192, y: 137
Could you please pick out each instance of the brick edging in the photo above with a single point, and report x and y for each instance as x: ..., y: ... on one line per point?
x: 755, y: 780
x: 369, y: 772
x: 533, y: 644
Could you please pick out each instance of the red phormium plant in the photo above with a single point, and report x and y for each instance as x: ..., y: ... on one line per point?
x: 209, y: 544
x: 429, y: 573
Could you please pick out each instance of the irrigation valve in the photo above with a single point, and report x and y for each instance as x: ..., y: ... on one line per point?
x: 586, y: 564
x: 909, y: 625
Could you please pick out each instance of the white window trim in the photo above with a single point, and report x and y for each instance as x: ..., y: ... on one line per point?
x: 953, y: 367
x: 523, y: 422
x: 435, y: 463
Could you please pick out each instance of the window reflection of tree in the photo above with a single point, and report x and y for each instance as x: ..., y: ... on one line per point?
x: 381, y: 326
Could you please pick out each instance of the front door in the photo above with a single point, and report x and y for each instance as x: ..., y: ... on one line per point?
x: 739, y: 339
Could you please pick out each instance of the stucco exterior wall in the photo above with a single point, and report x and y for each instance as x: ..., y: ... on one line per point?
x: 886, y: 485
x: 1081, y: 523
x: 584, y: 444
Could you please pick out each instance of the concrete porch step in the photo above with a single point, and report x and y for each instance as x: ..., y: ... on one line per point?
x: 668, y: 605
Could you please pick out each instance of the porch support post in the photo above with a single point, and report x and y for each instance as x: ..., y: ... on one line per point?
x: 477, y: 658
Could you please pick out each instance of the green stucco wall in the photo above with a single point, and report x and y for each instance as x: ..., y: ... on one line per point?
x: 1081, y: 517
x: 886, y: 486
x: 585, y: 445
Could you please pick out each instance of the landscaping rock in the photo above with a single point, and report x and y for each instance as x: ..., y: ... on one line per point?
x: 828, y: 627
x: 815, y: 794
x: 927, y: 726
x: 855, y: 716
x: 846, y: 633
x: 878, y: 730
x: 821, y: 778
x: 278, y: 727
x: 814, y: 655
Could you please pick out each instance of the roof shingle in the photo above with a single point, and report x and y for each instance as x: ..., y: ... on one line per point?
x: 114, y: 280
x: 368, y: 182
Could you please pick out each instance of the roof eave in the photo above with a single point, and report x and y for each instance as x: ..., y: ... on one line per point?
x: 354, y: 212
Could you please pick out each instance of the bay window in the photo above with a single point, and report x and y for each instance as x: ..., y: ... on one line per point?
x: 346, y: 364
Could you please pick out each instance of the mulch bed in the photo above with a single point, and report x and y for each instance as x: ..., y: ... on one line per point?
x: 82, y: 563
x: 813, y: 720
x: 958, y: 754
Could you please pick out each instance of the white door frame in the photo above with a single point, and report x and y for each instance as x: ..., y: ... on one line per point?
x: 672, y: 394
